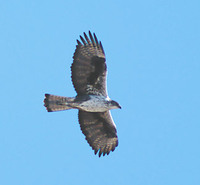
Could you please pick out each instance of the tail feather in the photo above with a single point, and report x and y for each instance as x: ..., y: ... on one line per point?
x: 57, y: 103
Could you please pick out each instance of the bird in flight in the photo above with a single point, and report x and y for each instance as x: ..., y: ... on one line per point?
x: 88, y: 73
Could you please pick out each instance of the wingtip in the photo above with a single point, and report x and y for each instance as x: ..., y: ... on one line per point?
x: 102, y: 153
x: 102, y: 48
x: 95, y: 37
x: 83, y: 40
x: 95, y: 152
x: 78, y: 42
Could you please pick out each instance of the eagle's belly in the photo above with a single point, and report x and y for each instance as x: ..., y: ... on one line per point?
x: 94, y: 104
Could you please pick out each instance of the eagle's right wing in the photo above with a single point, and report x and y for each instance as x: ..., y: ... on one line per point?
x: 89, y: 67
x: 99, y: 130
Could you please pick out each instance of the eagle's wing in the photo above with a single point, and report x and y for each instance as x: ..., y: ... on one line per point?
x: 99, y: 130
x: 89, y: 67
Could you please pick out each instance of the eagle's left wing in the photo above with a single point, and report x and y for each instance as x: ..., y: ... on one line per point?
x: 89, y: 67
x: 99, y: 130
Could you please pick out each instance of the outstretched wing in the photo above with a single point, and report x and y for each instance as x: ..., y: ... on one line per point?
x: 89, y: 67
x: 99, y: 130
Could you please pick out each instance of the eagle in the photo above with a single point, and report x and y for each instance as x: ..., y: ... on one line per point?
x: 89, y: 74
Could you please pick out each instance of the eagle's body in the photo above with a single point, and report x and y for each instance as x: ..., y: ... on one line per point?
x: 89, y: 79
x: 93, y: 103
x: 89, y: 103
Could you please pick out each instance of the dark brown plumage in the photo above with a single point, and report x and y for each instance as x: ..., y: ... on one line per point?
x: 89, y: 67
x: 99, y: 130
x: 89, y: 73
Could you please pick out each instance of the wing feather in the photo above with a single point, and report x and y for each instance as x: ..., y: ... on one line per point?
x: 96, y: 40
x: 92, y: 39
x: 79, y: 43
x: 102, y: 48
x: 87, y: 39
x: 82, y: 39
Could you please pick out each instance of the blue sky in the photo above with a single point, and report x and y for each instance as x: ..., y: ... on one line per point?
x: 152, y: 49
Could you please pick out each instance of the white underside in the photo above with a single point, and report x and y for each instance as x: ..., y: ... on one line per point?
x: 95, y: 104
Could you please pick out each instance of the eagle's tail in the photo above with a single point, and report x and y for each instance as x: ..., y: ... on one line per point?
x: 57, y: 103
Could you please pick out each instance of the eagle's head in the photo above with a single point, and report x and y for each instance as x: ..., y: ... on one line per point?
x: 114, y: 105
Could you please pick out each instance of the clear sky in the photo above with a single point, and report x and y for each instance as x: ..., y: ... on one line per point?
x: 153, y: 58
